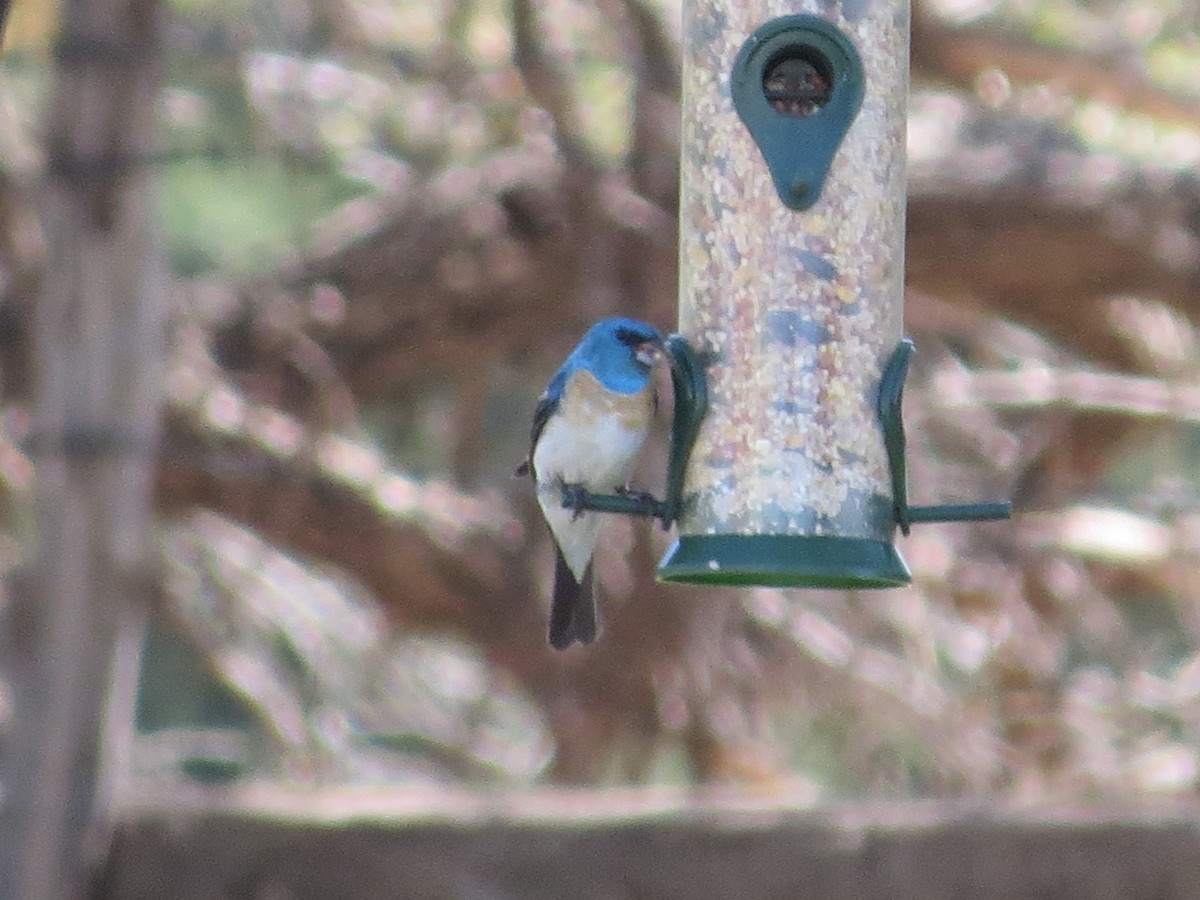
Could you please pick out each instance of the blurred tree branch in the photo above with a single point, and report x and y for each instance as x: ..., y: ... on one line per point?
x: 959, y: 54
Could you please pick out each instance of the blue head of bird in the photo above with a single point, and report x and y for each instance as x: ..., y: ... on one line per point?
x: 620, y: 352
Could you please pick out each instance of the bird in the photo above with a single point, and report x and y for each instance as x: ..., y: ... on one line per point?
x: 588, y: 427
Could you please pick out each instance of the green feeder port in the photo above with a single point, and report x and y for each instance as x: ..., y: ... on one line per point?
x: 797, y: 85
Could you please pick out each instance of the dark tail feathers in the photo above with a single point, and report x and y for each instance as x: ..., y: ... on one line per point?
x: 573, y: 608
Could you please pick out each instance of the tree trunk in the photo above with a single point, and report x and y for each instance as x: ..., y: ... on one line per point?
x: 98, y: 341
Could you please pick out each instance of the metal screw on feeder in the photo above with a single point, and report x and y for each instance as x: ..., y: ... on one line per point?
x: 791, y: 291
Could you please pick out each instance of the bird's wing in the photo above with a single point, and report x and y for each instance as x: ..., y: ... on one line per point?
x: 545, y: 408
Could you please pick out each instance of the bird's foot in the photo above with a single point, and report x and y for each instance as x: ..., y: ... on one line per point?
x: 575, y: 497
x: 644, y: 497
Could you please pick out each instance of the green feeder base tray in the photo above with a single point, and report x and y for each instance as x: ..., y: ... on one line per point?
x: 784, y: 560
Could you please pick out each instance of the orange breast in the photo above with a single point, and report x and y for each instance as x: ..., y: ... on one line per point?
x: 587, y: 403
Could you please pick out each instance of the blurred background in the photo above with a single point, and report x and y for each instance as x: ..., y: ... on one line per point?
x: 379, y: 225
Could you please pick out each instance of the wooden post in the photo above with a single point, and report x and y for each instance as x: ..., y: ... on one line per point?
x: 98, y: 330
x: 798, y: 309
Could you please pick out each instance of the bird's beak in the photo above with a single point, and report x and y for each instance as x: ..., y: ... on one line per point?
x: 648, y: 353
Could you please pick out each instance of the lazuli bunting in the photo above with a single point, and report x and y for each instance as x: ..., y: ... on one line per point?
x: 587, y: 430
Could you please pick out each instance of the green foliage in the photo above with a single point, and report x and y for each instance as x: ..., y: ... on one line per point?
x: 242, y: 217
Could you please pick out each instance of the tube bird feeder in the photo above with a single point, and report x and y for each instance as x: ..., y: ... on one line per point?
x: 791, y: 294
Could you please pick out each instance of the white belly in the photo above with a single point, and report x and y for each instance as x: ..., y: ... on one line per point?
x: 599, y: 457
